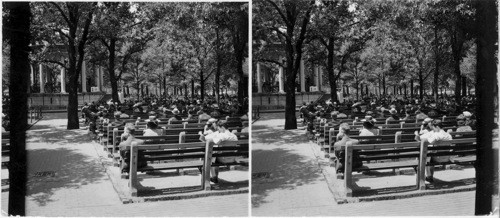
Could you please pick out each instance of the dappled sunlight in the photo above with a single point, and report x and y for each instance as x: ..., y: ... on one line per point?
x: 72, y: 170
x: 286, y: 174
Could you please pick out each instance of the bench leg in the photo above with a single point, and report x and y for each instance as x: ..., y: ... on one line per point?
x: 133, y: 171
x: 348, y: 171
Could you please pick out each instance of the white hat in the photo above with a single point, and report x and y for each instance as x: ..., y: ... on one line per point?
x: 393, y: 111
x: 427, y: 120
x: 211, y: 120
x: 175, y: 111
x: 467, y: 114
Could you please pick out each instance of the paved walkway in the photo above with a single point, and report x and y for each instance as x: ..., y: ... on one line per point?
x: 287, y: 181
x: 75, y: 183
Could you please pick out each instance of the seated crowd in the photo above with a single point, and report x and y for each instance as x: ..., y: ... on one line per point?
x: 168, y: 109
x: 386, y: 110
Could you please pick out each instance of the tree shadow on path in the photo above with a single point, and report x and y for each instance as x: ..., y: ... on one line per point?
x: 71, y: 170
x: 280, y: 167
x: 277, y: 136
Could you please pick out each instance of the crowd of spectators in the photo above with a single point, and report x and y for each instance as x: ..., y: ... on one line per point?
x: 388, y: 109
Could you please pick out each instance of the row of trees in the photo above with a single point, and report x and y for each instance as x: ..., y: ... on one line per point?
x: 164, y: 44
x: 378, y: 43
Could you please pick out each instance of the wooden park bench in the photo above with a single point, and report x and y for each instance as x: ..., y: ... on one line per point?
x: 461, y: 152
x: 175, y: 156
x: 5, y: 149
x: 405, y: 155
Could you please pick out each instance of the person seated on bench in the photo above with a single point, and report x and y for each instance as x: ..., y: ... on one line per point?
x: 152, y: 117
x: 342, y: 139
x: 393, y: 116
x: 204, y: 114
x: 302, y: 111
x: 469, y: 120
x: 127, y: 139
x: 368, y: 127
x: 462, y: 126
x: 408, y: 115
x: 176, y: 116
x: 426, y: 127
x: 221, y: 137
x: 369, y: 117
x: 210, y: 127
x: 437, y: 134
x: 334, y: 122
x: 152, y: 129
x: 191, y: 113
x: 419, y: 115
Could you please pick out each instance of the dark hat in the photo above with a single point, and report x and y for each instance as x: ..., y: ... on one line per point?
x: 369, y: 124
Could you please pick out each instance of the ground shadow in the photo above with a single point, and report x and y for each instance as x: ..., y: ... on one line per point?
x: 364, y: 191
x: 60, y: 136
x: 75, y: 170
x: 292, y: 171
x: 278, y: 136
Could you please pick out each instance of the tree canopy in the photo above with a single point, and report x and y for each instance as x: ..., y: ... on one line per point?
x: 167, y: 45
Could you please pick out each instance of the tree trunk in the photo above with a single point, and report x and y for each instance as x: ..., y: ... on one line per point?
x: 458, y: 81
x: 486, y: 82
x: 421, y: 84
x: 165, y: 84
x: 192, y: 89
x: 202, y: 86
x: 290, y: 117
x: 404, y: 87
x: 383, y: 83
x: 411, y: 88
x: 464, y: 86
x: 240, y: 39
x: 111, y: 70
x: 357, y: 90
x: 75, y: 64
x: 142, y: 91
x: 436, y: 58
x: 19, y: 40
x: 218, y: 67
x: 332, y: 79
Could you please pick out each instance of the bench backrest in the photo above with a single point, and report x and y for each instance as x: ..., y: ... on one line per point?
x: 5, y: 143
x: 182, y: 121
x: 164, y: 139
x: 238, y: 148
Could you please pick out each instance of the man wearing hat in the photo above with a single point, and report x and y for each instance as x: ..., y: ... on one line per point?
x: 462, y: 126
x: 393, y: 116
x: 204, y: 115
x: 127, y: 138
x: 437, y: 134
x: 419, y: 115
x: 152, y: 129
x: 221, y: 137
x: 342, y: 138
x: 368, y: 128
x: 176, y: 116
x: 210, y: 127
x: 469, y: 120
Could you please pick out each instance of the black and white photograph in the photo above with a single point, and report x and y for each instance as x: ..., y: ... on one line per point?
x: 374, y: 108
x: 120, y: 109
x: 250, y: 108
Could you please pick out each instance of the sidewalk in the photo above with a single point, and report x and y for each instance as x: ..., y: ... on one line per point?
x: 66, y: 178
x: 288, y: 180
